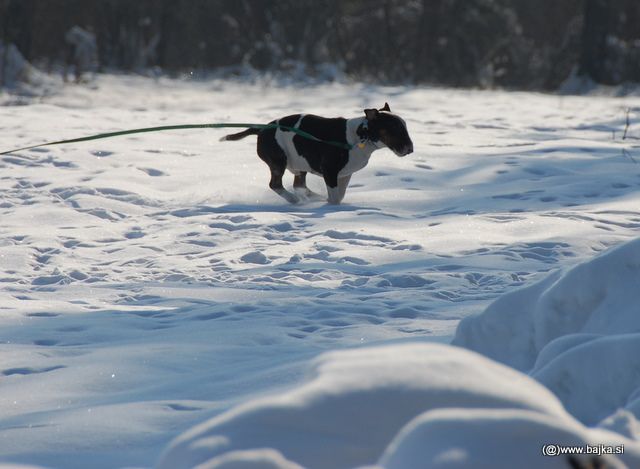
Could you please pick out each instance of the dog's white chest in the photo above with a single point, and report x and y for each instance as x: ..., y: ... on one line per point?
x: 358, y: 159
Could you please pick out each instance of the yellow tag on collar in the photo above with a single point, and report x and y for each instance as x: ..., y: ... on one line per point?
x: 361, y: 145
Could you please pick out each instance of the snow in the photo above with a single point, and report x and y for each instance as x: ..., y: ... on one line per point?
x: 462, y: 438
x: 21, y: 77
x: 250, y: 459
x: 16, y: 466
x: 567, y: 326
x: 152, y: 283
x: 357, y: 401
x: 591, y: 396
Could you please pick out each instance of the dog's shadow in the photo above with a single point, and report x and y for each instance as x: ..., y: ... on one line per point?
x: 311, y: 210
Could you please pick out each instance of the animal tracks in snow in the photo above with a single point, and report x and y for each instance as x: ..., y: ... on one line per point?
x: 29, y: 371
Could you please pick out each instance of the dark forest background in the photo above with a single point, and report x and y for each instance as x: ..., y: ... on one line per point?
x: 523, y: 44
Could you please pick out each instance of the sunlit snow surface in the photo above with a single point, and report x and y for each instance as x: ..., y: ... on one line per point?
x: 151, y: 282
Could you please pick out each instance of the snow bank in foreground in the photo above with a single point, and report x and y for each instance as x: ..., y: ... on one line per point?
x: 597, y: 377
x: 250, y: 459
x: 597, y: 297
x: 463, y: 438
x: 359, y: 401
x: 577, y: 333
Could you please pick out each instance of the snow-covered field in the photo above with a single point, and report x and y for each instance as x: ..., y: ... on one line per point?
x: 150, y: 283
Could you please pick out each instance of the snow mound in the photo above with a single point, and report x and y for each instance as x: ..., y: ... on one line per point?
x: 463, y: 438
x: 595, y: 378
x: 357, y: 402
x: 252, y: 459
x: 577, y: 333
x: 597, y: 297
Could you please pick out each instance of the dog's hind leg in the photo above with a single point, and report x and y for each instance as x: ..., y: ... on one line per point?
x: 276, y: 185
x: 270, y: 152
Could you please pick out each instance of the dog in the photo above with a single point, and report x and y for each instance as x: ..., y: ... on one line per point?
x: 283, y: 149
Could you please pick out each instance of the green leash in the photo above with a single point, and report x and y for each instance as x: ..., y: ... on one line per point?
x: 302, y: 133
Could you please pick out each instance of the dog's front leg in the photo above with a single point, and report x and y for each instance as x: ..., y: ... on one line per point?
x: 336, y: 187
x: 343, y: 183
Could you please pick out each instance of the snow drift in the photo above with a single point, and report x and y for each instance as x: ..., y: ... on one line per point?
x: 578, y: 333
x: 359, y: 401
x: 496, y: 438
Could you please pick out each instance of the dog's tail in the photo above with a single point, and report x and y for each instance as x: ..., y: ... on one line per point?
x: 241, y: 135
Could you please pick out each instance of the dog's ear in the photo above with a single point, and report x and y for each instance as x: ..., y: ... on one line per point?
x: 386, y: 107
x: 371, y: 114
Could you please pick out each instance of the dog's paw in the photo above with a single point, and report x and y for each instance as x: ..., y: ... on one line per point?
x: 289, y: 197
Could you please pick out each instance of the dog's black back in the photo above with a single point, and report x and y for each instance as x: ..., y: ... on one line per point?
x: 322, y: 158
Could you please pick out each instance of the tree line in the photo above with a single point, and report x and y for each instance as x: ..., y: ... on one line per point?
x: 519, y: 44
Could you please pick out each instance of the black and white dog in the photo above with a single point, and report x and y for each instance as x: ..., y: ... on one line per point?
x: 283, y: 149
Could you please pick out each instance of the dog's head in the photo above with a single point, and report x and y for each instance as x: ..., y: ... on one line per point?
x: 389, y: 129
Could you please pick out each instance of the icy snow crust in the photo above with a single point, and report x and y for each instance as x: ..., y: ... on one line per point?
x: 153, y: 282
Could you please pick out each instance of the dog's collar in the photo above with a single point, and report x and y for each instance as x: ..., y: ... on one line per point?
x: 365, y: 137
